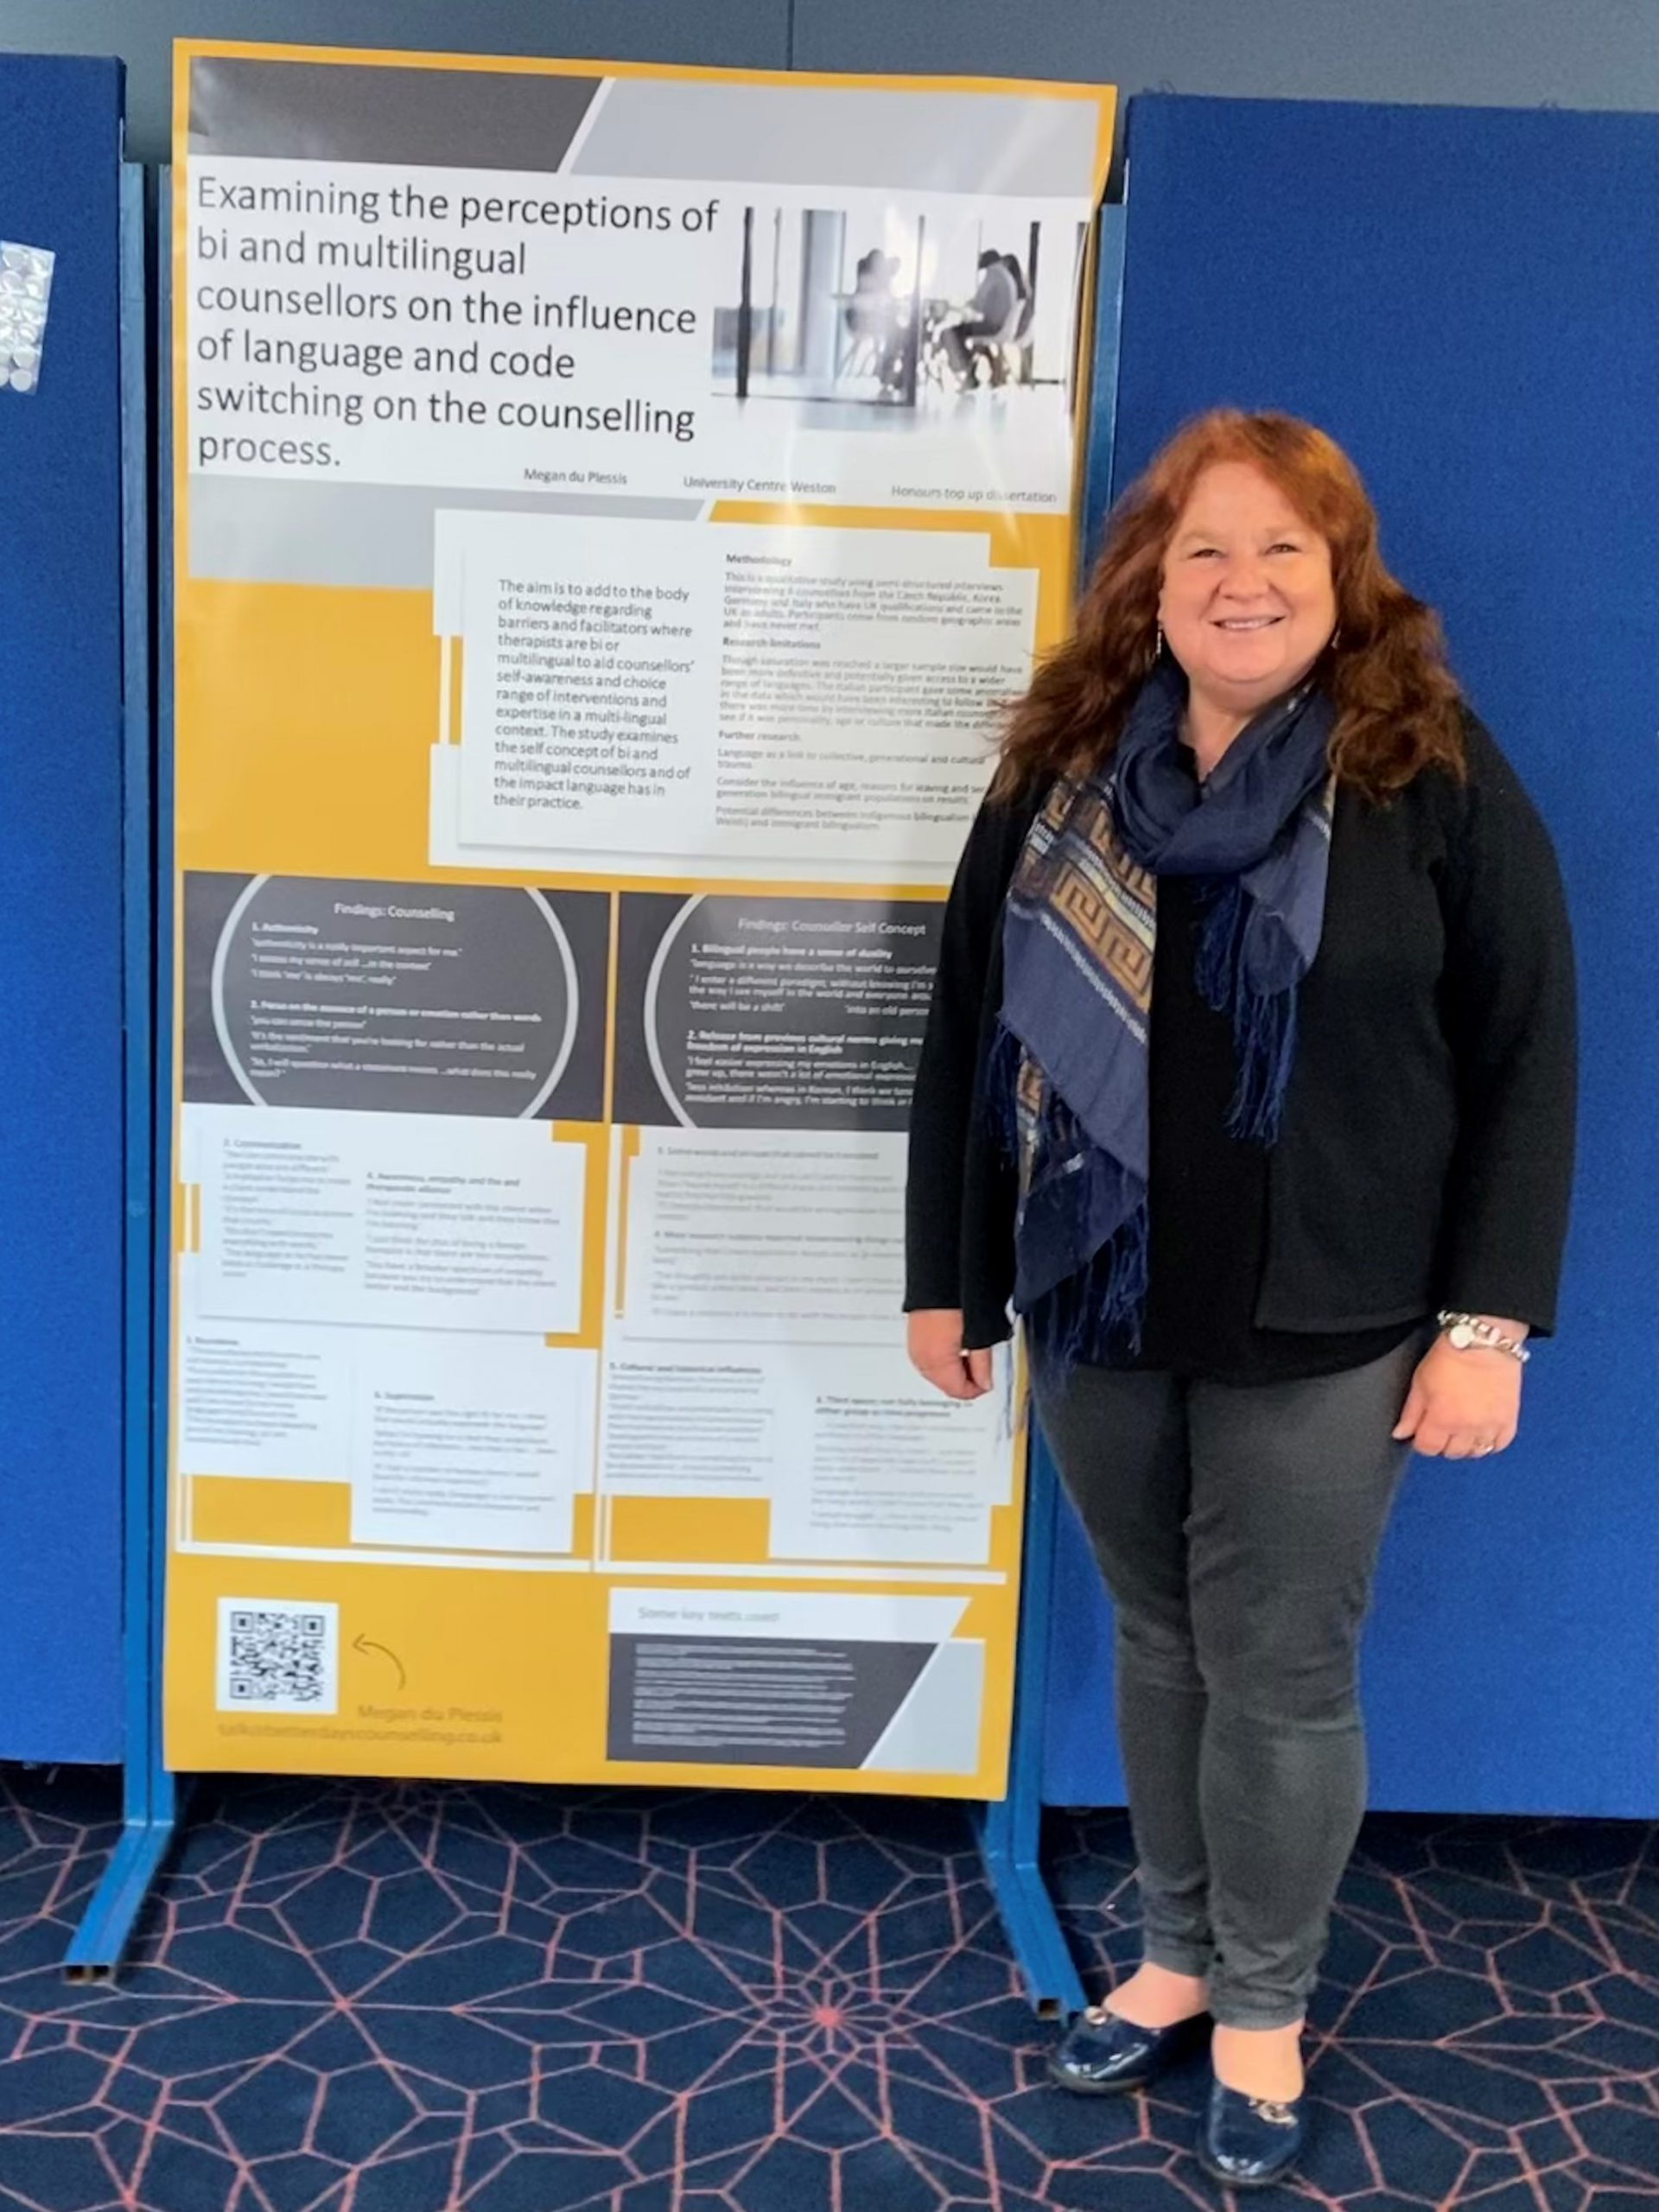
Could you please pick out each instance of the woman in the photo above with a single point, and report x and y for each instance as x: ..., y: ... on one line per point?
x: 1249, y: 1081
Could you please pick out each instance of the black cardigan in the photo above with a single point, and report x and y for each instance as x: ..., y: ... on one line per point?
x: 1425, y: 1158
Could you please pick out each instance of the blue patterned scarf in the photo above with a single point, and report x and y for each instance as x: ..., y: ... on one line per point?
x: 1080, y: 929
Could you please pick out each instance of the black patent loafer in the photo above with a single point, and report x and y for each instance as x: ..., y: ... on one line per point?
x: 1249, y: 2142
x: 1102, y: 2056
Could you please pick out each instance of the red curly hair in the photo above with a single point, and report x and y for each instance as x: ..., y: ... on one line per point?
x: 1398, y: 706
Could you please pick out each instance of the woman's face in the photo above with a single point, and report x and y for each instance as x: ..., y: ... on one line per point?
x: 1248, y: 603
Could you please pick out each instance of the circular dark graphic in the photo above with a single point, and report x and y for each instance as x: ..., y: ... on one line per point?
x: 412, y: 998
x: 786, y: 1013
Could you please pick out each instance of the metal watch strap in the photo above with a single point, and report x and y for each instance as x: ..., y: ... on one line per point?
x: 1468, y: 1332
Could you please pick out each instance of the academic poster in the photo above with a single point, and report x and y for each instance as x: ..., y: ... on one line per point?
x: 608, y: 506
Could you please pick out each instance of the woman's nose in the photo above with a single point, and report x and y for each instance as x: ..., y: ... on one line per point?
x: 1244, y: 578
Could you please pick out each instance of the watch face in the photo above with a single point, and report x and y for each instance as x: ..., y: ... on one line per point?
x: 1461, y: 1335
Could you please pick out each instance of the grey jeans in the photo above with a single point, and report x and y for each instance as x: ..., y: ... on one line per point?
x: 1237, y: 1530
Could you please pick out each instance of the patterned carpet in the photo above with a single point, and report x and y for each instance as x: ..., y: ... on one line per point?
x: 372, y: 1998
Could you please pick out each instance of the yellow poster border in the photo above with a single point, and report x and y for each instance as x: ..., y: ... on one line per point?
x: 195, y: 1565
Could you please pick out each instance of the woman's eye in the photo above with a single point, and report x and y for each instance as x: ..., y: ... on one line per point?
x: 1204, y: 553
x: 1284, y: 545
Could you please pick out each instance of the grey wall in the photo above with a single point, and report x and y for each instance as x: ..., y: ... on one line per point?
x: 1481, y: 53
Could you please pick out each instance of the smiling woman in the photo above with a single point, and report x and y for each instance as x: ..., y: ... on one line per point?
x: 1248, y: 603
x: 1248, y: 1082
x: 1261, y: 505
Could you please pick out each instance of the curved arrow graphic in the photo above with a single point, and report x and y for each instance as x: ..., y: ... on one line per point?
x: 363, y: 1643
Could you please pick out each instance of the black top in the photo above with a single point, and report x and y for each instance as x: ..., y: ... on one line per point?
x: 1207, y: 1196
x: 1426, y: 1152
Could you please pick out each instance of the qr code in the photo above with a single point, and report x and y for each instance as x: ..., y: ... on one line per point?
x: 276, y: 1655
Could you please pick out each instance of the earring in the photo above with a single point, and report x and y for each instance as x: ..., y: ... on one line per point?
x: 1335, y: 639
x: 1158, y: 646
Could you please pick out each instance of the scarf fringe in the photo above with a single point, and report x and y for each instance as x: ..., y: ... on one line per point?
x: 1264, y: 1031
x: 1098, y: 1311
x: 1264, y: 1022
x: 1101, y: 1308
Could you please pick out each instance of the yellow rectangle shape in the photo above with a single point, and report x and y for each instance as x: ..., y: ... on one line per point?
x: 237, y: 1510
x: 690, y: 1529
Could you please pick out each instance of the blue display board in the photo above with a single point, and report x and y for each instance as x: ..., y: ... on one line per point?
x: 1464, y: 298
x: 61, y: 1198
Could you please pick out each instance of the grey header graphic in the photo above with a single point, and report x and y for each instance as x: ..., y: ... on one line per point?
x: 458, y: 116
x: 358, y: 111
x: 425, y: 998
x: 1002, y: 143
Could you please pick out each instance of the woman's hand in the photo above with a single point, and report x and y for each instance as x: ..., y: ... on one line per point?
x: 1462, y: 1405
x: 933, y: 1338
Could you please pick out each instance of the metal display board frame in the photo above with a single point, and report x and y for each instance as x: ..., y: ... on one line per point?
x: 152, y: 1795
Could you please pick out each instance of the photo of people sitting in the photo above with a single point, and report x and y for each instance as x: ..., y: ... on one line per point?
x: 997, y: 319
x: 900, y: 316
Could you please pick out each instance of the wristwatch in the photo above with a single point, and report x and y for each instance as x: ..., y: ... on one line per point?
x: 1468, y: 1333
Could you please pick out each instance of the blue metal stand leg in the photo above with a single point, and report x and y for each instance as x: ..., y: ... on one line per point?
x: 151, y: 1794
x: 1010, y: 1832
x: 107, y: 1924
